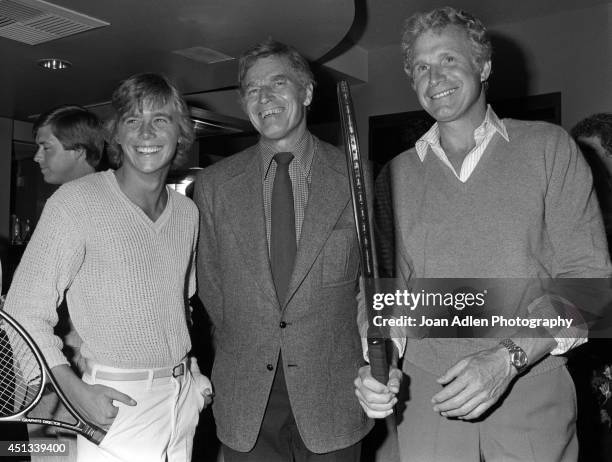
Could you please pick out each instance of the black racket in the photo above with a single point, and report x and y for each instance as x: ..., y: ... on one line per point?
x: 24, y: 375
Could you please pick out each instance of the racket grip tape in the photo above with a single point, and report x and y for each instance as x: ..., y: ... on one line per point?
x: 377, y: 353
x: 97, y: 435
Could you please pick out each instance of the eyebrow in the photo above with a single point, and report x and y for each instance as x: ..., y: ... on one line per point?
x: 252, y: 83
x: 169, y: 115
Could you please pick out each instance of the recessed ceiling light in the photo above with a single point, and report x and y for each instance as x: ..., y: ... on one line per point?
x: 54, y: 64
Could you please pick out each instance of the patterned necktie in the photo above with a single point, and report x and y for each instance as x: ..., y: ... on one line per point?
x: 282, y: 233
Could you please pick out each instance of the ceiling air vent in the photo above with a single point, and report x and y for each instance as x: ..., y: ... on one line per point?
x: 35, y: 21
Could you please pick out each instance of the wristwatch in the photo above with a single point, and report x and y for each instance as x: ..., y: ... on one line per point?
x: 518, y: 357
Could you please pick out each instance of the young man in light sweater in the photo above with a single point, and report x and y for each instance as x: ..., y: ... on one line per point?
x: 480, y: 197
x: 120, y: 246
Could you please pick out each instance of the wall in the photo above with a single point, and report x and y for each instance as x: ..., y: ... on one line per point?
x: 6, y: 150
x: 570, y: 52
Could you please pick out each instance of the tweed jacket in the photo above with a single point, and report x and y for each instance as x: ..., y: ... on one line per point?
x: 315, y: 328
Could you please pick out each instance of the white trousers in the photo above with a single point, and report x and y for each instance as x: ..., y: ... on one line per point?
x: 159, y: 428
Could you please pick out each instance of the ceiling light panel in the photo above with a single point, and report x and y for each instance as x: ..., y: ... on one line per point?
x: 203, y: 55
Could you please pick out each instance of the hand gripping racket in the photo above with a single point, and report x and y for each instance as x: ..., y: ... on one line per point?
x: 24, y: 374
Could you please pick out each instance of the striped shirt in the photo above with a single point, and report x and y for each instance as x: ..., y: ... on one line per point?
x: 482, y: 136
x: 300, y: 173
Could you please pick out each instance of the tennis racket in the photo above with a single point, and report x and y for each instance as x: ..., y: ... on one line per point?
x: 377, y: 353
x: 24, y: 375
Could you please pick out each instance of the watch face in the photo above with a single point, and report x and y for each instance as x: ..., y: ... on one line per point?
x: 519, y: 359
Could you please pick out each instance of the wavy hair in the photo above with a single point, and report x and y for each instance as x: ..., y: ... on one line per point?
x: 438, y: 19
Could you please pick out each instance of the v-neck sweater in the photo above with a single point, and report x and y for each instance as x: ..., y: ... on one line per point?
x: 125, y: 277
x: 527, y: 211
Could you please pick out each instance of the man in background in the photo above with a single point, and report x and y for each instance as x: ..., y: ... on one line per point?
x: 594, y: 137
x: 70, y: 144
x: 277, y: 271
x: 482, y: 197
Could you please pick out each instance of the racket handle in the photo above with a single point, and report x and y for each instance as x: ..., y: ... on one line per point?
x: 96, y: 435
x: 377, y: 353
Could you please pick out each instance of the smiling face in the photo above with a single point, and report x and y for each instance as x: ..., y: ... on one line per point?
x: 57, y: 164
x: 148, y: 138
x: 275, y: 101
x: 446, y: 79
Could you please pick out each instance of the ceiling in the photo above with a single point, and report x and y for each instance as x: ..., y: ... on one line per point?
x: 144, y: 35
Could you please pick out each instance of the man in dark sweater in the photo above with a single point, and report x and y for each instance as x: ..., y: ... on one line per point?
x: 480, y: 197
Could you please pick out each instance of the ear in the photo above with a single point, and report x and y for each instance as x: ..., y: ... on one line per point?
x: 307, y: 95
x: 485, y: 71
x: 80, y: 153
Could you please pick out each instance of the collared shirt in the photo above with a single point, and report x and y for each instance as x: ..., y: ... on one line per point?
x: 482, y: 136
x: 300, y: 173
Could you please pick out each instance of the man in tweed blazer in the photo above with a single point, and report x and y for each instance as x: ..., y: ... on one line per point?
x: 284, y: 365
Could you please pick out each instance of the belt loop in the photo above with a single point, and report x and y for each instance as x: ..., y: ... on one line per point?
x: 179, y: 370
x: 94, y: 370
x: 150, y: 379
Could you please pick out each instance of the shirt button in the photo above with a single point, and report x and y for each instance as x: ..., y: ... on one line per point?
x: 270, y: 367
x: 283, y: 324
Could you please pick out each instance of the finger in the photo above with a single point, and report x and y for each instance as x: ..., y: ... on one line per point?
x: 365, y: 375
x: 479, y: 410
x: 203, y: 384
x: 450, y: 391
x: 452, y: 373
x: 395, y: 378
x: 380, y: 408
x: 116, y: 395
x: 374, y: 398
x: 375, y: 413
x: 112, y: 411
x: 462, y: 409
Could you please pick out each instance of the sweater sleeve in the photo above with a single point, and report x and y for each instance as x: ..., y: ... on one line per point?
x: 574, y: 226
x: 573, y: 221
x: 48, y: 266
x: 192, y: 263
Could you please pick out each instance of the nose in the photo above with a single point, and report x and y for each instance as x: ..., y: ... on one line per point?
x: 39, y: 156
x: 264, y: 94
x: 436, y: 75
x: 147, y: 130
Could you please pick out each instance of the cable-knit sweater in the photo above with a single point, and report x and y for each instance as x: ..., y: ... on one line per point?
x: 126, y: 278
x: 527, y: 211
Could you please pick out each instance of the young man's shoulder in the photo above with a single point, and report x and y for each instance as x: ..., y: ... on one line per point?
x: 184, y: 203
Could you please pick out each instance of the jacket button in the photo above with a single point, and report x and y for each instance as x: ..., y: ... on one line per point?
x: 283, y: 324
x: 270, y: 367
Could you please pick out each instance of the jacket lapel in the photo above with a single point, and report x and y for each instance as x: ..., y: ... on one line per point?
x: 329, y: 196
x: 243, y: 205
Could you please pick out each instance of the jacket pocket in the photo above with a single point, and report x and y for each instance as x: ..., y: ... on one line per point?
x: 340, y: 258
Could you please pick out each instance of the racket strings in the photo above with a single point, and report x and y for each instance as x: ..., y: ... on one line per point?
x: 20, y: 372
